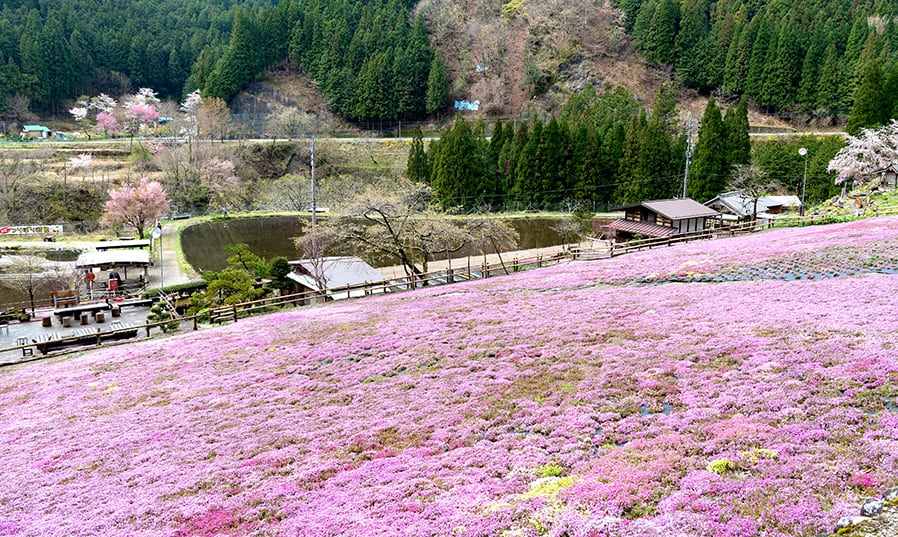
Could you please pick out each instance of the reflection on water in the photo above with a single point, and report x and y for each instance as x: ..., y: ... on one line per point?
x: 271, y: 236
x: 14, y: 296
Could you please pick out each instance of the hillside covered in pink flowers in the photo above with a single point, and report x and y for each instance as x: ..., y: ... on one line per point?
x: 727, y: 388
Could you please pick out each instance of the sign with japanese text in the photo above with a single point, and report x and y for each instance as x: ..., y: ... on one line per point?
x: 30, y: 230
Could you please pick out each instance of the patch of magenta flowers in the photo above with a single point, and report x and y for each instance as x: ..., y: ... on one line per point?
x: 543, y: 403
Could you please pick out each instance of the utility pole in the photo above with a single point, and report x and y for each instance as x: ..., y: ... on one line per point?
x: 314, y: 184
x: 690, y: 147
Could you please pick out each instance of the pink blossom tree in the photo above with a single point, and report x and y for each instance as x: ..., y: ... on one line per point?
x: 140, y: 110
x: 136, y: 204
x: 107, y: 124
x: 103, y: 106
x: 222, y: 183
x: 864, y: 154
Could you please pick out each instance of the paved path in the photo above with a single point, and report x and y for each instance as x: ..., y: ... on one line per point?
x: 170, y: 270
x: 476, y: 261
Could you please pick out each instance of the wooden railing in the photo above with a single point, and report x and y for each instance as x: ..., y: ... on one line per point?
x: 611, y: 249
x: 607, y: 249
x: 34, y: 349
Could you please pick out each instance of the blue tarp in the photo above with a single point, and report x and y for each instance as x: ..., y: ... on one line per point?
x: 467, y: 105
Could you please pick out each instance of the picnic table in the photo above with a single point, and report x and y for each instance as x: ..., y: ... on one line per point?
x: 76, y: 311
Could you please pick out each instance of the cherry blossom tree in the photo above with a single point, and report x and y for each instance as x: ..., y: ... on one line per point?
x: 136, y: 204
x: 141, y: 110
x: 108, y: 124
x: 80, y: 112
x: 219, y: 178
x: 82, y: 162
x: 101, y: 105
x: 871, y: 150
x: 191, y: 107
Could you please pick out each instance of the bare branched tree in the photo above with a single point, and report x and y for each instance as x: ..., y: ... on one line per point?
x: 397, y: 220
x: 754, y: 185
x: 314, y: 245
x: 493, y: 235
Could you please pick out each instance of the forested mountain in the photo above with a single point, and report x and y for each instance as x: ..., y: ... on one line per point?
x: 808, y: 56
x: 398, y: 59
x: 370, y: 61
x: 53, y: 51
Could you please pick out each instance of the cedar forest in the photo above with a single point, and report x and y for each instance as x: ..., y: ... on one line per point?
x: 830, y: 60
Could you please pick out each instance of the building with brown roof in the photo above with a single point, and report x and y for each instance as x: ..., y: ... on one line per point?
x: 662, y: 218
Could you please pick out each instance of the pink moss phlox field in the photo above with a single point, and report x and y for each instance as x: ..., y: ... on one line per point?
x: 543, y: 403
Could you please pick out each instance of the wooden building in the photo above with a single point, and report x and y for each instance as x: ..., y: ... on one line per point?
x: 333, y: 277
x: 738, y: 206
x: 662, y: 218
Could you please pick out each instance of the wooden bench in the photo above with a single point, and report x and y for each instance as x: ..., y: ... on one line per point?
x: 43, y: 342
x: 120, y: 331
x: 65, y: 299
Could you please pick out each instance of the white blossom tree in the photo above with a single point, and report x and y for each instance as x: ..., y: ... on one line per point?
x: 191, y: 107
x: 871, y: 150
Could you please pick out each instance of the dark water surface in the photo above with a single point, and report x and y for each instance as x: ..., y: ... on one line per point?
x: 271, y: 236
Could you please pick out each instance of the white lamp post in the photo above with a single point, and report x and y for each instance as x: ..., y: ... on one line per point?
x: 804, y: 183
x: 157, y: 234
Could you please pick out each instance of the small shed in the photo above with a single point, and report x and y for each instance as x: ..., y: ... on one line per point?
x: 662, y: 218
x: 35, y: 132
x: 329, y: 274
x: 738, y: 206
x: 888, y: 176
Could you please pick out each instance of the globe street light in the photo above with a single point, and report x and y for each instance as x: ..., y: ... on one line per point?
x: 804, y: 184
x: 157, y: 234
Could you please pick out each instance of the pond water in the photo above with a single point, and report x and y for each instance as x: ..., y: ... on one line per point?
x: 14, y: 294
x: 204, y: 246
x: 271, y: 236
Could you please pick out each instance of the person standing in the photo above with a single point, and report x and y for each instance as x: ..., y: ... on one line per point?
x: 90, y: 277
x: 114, y: 281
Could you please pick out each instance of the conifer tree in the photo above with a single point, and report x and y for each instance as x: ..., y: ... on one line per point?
x: 642, y: 24
x: 457, y: 167
x: 553, y: 156
x: 612, y: 139
x: 240, y: 62
x: 591, y: 173
x: 710, y: 168
x: 782, y: 73
x: 831, y: 88
x: 630, y: 175
x: 658, y: 163
x: 371, y: 88
x: 737, y: 59
x: 510, y: 155
x: 527, y: 168
x: 869, y: 108
x: 658, y: 43
x: 810, y: 77
x: 418, y: 167
x: 757, y: 65
x: 437, y: 86
x: 736, y: 127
